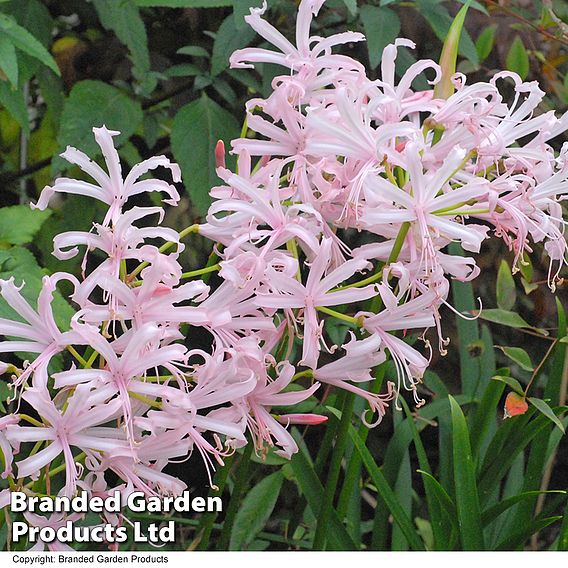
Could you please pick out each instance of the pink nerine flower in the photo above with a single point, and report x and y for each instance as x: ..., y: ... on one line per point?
x: 64, y: 429
x: 289, y: 293
x: 40, y: 334
x: 112, y: 189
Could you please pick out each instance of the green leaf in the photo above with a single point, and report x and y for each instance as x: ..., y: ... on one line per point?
x: 19, y: 224
x: 454, y: 39
x: 510, y: 319
x: 467, y: 500
x: 513, y: 383
x: 123, y: 18
x: 519, y: 538
x: 438, y: 521
x: 94, y: 103
x: 14, y: 102
x: 193, y: 50
x: 183, y: 3
x: 312, y: 489
x: 228, y: 40
x: 468, y: 331
x: 241, y: 8
x: 351, y: 5
x: 441, y: 21
x: 255, y: 510
x: 25, y: 41
x: 545, y: 409
x: 195, y: 131
x: 506, y: 291
x: 490, y: 514
x: 385, y: 491
x: 517, y: 58
x: 183, y: 70
x: 519, y: 356
x: 475, y: 5
x: 485, y: 42
x: 8, y: 60
x: 32, y: 15
x: 382, y: 27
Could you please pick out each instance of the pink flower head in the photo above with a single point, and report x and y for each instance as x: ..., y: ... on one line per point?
x: 112, y: 189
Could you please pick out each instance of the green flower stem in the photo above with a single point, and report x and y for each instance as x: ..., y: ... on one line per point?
x: 31, y: 420
x: 77, y: 356
x: 165, y: 247
x: 292, y: 248
x: 399, y: 241
x: 212, y: 260
x: 53, y: 472
x: 353, y: 470
x: 334, y: 470
x: 465, y: 212
x: 207, y: 523
x: 145, y: 400
x: 339, y: 315
x: 309, y: 373
x: 242, y: 476
x: 206, y: 270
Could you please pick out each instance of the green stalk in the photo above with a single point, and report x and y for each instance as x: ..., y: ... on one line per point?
x: 242, y: 476
x: 334, y: 470
x: 353, y: 471
x: 207, y: 523
x: 199, y: 272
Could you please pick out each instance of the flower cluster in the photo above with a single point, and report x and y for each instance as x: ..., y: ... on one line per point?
x: 333, y: 153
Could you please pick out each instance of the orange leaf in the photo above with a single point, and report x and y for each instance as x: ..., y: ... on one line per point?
x: 515, y: 404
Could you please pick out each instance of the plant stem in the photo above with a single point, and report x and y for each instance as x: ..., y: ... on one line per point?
x: 339, y: 315
x: 354, y: 466
x: 208, y: 520
x: 241, y: 483
x: 201, y: 271
x: 165, y: 247
x: 334, y: 470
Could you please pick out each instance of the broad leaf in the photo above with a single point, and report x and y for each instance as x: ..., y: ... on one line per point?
x: 485, y: 42
x: 25, y: 41
x: 382, y: 27
x: 506, y: 291
x: 123, y: 18
x: 545, y: 409
x: 19, y: 224
x: 513, y: 383
x: 510, y: 319
x: 8, y: 60
x: 255, y: 510
x: 196, y: 129
x: 93, y: 103
x: 519, y: 356
x: 517, y: 58
x: 228, y: 40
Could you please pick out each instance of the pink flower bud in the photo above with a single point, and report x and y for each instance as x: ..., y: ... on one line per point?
x: 220, y: 154
x: 311, y: 419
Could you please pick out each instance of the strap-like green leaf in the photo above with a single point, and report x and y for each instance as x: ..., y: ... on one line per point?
x: 467, y: 500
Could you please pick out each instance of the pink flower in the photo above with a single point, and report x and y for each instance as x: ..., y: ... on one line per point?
x: 361, y: 357
x: 112, y: 189
x: 289, y: 293
x: 308, y: 58
x: 71, y: 427
x: 40, y: 333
